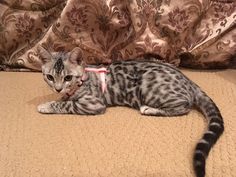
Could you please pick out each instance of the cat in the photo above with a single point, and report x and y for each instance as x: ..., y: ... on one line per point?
x: 154, y: 88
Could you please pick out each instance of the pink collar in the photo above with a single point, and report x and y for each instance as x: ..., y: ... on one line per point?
x: 102, y: 72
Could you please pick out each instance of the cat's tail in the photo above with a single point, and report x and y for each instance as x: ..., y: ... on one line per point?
x: 214, y: 130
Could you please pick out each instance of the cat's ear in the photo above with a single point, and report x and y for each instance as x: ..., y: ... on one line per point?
x: 75, y: 56
x: 44, y: 55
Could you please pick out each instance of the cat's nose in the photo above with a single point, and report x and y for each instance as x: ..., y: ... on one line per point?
x: 58, y: 90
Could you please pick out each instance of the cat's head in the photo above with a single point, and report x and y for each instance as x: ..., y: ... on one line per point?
x: 62, y: 71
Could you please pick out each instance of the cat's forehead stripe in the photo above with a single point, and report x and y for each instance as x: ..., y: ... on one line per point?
x: 59, y: 66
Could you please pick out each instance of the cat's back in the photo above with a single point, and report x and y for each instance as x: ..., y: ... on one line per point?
x: 146, y: 73
x: 141, y: 67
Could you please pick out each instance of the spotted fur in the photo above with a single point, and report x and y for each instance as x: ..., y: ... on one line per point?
x: 152, y: 87
x: 58, y: 66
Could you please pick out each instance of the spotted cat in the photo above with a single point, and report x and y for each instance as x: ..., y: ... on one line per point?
x: 152, y: 87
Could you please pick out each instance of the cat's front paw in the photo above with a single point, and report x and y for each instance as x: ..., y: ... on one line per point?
x: 46, y: 108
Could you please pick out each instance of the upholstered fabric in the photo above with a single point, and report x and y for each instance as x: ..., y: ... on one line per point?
x: 191, y: 33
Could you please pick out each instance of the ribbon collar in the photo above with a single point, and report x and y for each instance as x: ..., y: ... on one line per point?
x: 102, y: 72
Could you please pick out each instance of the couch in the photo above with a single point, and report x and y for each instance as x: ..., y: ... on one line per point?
x: 193, y: 34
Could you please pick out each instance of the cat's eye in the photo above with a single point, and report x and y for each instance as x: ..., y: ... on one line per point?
x: 68, y: 78
x: 50, y: 77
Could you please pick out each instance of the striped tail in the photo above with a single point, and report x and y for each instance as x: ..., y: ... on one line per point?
x: 214, y: 130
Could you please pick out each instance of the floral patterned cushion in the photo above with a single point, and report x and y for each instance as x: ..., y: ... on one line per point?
x: 190, y: 33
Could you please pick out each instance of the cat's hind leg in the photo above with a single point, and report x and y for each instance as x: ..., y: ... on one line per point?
x: 146, y: 110
x: 173, y: 110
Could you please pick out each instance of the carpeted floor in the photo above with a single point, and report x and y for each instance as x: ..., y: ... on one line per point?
x: 120, y: 143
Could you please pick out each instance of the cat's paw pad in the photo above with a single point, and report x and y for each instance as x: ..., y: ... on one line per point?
x: 45, y: 108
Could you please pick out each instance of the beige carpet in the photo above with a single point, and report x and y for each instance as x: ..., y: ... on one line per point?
x: 121, y: 143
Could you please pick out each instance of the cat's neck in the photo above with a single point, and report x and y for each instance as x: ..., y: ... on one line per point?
x: 100, y: 75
